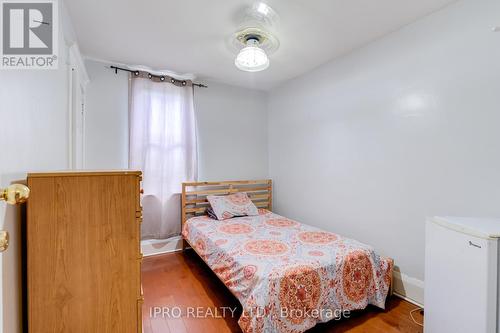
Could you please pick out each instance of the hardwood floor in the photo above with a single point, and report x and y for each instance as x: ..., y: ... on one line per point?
x: 178, y: 281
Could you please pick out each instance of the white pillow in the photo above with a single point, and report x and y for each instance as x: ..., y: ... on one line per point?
x: 232, y: 205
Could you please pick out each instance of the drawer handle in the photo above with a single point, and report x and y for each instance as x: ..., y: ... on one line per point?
x: 475, y: 245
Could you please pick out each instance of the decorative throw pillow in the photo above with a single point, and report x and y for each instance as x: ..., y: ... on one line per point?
x: 228, y: 206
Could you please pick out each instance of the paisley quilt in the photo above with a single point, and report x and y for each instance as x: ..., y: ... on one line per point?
x: 288, y: 276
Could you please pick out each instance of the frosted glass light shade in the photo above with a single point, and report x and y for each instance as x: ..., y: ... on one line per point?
x: 252, y: 58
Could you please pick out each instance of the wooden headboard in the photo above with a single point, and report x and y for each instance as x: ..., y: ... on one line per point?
x: 194, y: 195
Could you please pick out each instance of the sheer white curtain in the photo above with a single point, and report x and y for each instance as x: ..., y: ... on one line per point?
x: 163, y: 146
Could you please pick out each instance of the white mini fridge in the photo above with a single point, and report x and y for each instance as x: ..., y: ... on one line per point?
x: 462, y: 275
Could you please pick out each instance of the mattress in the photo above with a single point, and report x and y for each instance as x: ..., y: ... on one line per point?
x: 289, y: 276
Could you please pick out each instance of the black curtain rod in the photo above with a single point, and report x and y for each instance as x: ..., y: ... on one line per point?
x: 161, y: 77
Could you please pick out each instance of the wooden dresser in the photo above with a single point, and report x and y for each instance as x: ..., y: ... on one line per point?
x: 83, y: 252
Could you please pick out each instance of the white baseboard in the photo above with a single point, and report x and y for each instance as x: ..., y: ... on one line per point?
x: 409, y: 288
x: 409, y: 300
x: 151, y: 247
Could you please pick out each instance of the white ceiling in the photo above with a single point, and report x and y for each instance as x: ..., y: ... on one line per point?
x: 190, y: 36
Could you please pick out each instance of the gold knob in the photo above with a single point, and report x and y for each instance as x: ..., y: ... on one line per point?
x: 15, y: 194
x: 4, y: 240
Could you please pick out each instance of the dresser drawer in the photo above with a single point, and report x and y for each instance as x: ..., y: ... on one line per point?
x: 139, y: 192
x: 139, y: 269
x: 138, y: 224
x: 140, y: 302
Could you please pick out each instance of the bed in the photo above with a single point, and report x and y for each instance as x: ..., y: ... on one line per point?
x: 288, y: 276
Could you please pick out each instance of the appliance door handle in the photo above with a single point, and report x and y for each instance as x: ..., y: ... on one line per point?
x: 474, y: 245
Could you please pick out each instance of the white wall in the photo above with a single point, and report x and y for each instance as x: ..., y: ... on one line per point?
x: 34, y: 121
x: 106, y: 118
x: 232, y: 132
x: 232, y: 126
x: 371, y: 144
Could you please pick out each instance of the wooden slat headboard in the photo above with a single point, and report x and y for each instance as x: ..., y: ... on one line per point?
x: 194, y: 195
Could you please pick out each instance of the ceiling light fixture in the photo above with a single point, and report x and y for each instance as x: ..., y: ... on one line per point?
x: 252, y: 58
x: 255, y: 40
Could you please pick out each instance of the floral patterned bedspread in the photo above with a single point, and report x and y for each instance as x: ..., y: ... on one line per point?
x: 289, y: 276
